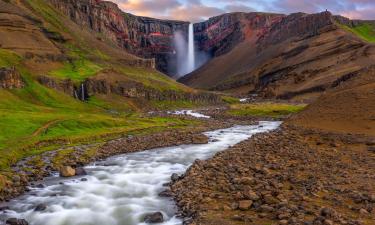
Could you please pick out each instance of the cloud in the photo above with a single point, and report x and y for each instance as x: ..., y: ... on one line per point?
x: 198, y: 10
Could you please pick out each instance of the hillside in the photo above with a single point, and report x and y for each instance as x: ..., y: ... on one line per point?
x: 62, y: 83
x: 347, y: 108
x: 296, y: 56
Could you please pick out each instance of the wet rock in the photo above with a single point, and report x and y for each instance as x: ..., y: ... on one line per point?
x: 200, y: 139
x: 67, y: 171
x: 84, y: 179
x: 245, y: 204
x: 15, y: 221
x: 40, y: 207
x: 166, y: 193
x: 175, y: 177
x: 80, y: 171
x: 156, y: 217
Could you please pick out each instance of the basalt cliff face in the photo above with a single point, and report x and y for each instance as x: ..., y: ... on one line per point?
x: 141, y: 36
x: 278, y: 56
x: 221, y: 34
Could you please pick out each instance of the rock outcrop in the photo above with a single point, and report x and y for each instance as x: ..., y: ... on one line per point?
x: 110, y: 82
x: 10, y: 78
x: 141, y: 36
x: 220, y: 34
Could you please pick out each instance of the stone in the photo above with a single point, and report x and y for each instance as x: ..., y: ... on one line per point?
x: 166, y: 193
x: 40, y: 207
x: 80, y: 171
x: 10, y: 78
x: 363, y: 211
x: 371, y: 149
x: 156, y: 217
x: 245, y: 204
x: 175, y: 177
x: 252, y: 196
x: 15, y: 221
x: 200, y: 139
x: 67, y: 171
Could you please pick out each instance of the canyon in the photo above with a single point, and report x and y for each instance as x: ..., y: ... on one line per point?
x: 88, y: 91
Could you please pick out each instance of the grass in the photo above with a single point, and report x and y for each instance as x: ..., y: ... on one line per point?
x: 365, y: 31
x: 8, y: 58
x: 35, y: 117
x: 78, y: 70
x: 267, y: 109
x: 230, y: 100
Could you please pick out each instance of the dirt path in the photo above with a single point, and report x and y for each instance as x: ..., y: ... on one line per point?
x: 44, y: 127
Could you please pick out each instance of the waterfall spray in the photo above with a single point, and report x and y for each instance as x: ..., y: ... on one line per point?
x: 191, y: 52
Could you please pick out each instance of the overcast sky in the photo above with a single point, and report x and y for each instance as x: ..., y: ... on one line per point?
x: 197, y: 10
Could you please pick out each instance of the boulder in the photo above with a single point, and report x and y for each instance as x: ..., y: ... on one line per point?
x: 10, y: 78
x: 175, y: 177
x: 67, y: 171
x: 156, y: 217
x: 200, y: 139
x: 40, y: 207
x: 15, y: 221
x: 80, y: 171
x: 245, y: 204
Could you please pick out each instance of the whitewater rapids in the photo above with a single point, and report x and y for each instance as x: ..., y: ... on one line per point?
x: 123, y: 189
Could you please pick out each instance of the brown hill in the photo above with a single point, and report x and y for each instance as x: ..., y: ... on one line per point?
x: 348, y: 108
x: 299, y: 56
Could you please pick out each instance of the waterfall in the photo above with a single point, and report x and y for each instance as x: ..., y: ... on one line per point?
x: 83, y: 92
x: 185, y: 51
x: 191, y: 52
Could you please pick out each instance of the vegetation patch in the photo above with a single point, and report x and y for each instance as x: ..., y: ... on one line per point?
x: 266, y: 109
x: 365, y: 31
x: 8, y: 58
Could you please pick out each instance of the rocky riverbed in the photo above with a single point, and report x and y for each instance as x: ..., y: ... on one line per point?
x: 30, y: 171
x: 290, y: 176
x: 123, y: 189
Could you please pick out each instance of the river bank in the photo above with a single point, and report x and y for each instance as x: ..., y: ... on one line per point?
x: 291, y: 176
x: 124, y: 189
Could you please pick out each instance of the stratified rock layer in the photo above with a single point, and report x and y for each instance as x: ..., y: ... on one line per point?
x: 10, y: 78
x: 142, y: 36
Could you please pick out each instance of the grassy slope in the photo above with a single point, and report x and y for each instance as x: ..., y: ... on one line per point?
x: 365, y: 31
x: 266, y: 109
x: 37, y: 114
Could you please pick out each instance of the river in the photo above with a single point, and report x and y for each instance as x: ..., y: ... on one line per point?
x: 123, y: 189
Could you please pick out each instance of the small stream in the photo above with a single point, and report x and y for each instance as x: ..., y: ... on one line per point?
x: 123, y: 189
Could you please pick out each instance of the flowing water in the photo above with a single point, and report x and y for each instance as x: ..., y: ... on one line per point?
x: 123, y: 189
x: 191, y: 52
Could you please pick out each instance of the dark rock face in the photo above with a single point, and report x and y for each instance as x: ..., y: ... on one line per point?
x: 10, y: 78
x: 104, y: 84
x: 144, y: 37
x: 154, y: 218
x: 296, y: 25
x: 221, y: 34
x: 14, y: 221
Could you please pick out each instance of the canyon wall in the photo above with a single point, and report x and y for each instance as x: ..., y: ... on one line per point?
x: 141, y: 36
x: 221, y: 34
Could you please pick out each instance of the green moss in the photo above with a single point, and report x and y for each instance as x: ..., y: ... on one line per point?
x: 8, y: 58
x: 264, y: 109
x: 48, y: 13
x: 365, y: 31
x: 230, y: 100
x: 77, y: 70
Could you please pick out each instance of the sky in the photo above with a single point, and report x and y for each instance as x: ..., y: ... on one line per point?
x: 198, y: 10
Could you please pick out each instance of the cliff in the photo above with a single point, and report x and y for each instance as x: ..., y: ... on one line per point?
x: 141, y: 36
x: 276, y: 56
x: 221, y: 34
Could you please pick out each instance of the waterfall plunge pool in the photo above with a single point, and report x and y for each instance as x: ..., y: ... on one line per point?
x: 123, y: 189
